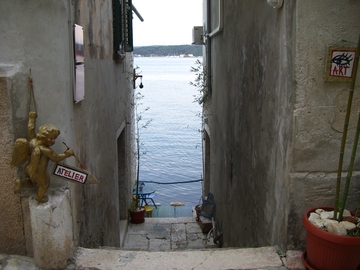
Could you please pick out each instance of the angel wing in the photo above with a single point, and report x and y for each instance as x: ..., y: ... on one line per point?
x: 20, y: 151
x: 34, y: 161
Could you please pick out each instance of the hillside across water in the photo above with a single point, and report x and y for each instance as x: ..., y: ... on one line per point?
x: 171, y: 50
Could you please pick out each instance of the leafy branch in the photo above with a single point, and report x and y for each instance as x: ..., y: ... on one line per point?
x: 140, y: 124
x: 200, y: 81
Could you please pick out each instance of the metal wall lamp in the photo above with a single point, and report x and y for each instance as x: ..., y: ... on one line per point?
x: 135, y: 76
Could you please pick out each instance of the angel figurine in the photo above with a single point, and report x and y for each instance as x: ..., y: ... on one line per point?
x: 37, y: 151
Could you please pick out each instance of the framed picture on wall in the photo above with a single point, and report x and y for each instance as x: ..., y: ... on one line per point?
x: 79, y: 64
x: 340, y: 64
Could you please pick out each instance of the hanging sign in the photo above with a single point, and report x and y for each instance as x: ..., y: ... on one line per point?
x: 340, y: 64
x: 73, y: 174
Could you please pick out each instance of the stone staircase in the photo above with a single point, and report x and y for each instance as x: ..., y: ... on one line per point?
x: 168, y: 243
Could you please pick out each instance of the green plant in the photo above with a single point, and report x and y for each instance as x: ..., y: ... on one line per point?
x: 200, y: 81
x: 356, y: 232
x: 140, y: 124
x: 340, y: 204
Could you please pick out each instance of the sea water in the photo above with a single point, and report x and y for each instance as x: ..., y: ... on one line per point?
x: 172, y: 141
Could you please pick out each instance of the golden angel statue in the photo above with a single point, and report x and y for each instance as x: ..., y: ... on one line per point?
x: 37, y: 151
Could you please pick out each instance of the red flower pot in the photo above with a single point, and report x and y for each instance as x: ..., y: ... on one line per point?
x: 137, y: 217
x: 328, y: 251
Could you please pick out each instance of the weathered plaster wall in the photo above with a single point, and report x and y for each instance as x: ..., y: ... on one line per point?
x: 250, y: 122
x: 33, y: 36
x: 319, y: 109
x: 38, y: 35
x: 12, y: 238
x: 106, y: 108
x: 275, y: 125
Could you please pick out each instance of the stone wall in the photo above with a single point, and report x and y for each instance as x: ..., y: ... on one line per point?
x: 102, y: 118
x: 272, y: 119
x: 12, y: 223
x: 38, y: 35
x: 319, y: 110
x: 250, y: 122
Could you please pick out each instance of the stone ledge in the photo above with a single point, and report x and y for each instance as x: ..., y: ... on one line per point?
x: 52, y: 231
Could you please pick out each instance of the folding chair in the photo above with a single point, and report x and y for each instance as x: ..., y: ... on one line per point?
x: 148, y: 210
x: 151, y: 198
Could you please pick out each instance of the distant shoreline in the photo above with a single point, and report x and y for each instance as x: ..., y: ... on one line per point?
x: 182, y: 51
x: 172, y: 56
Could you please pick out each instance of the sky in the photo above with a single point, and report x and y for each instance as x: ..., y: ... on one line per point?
x: 166, y: 22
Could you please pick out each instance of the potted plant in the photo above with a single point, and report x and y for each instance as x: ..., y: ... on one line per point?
x: 333, y: 233
x: 136, y: 211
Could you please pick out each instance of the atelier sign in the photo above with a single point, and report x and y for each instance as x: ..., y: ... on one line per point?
x: 70, y: 173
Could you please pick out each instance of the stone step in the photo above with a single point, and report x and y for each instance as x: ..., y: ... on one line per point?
x: 249, y: 258
x: 110, y: 258
x: 168, y: 243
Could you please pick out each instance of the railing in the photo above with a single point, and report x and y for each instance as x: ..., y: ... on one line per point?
x: 172, y: 183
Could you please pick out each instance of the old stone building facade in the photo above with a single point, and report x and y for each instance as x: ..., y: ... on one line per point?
x: 90, y: 104
x: 273, y: 125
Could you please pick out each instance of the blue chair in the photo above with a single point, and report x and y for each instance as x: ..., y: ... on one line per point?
x: 151, y: 198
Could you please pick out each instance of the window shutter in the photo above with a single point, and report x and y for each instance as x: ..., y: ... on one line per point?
x: 117, y: 27
x: 128, y: 29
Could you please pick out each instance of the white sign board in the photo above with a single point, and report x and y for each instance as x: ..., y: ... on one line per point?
x: 73, y: 174
x: 340, y: 64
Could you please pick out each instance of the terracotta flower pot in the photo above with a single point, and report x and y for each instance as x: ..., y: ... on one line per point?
x: 137, y: 217
x: 328, y: 251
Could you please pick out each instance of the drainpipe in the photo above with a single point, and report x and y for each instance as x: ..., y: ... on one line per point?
x: 220, y: 26
x: 208, y: 53
x: 209, y: 36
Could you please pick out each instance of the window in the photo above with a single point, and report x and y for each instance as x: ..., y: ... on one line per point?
x: 122, y: 27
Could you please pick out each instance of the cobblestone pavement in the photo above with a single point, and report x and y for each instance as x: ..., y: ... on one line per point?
x: 160, y: 234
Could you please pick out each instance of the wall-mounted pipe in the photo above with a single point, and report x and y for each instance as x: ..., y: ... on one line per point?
x: 220, y: 26
x: 208, y: 54
x: 217, y: 30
